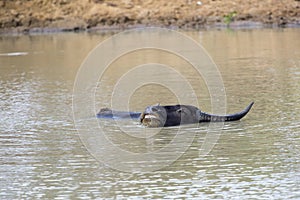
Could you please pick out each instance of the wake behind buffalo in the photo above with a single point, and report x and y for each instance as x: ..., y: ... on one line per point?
x: 171, y: 115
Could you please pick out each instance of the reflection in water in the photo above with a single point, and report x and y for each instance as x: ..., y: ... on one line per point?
x: 41, y: 154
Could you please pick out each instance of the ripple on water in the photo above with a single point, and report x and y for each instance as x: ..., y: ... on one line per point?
x: 14, y: 54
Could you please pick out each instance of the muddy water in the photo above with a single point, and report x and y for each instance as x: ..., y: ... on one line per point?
x: 42, y: 155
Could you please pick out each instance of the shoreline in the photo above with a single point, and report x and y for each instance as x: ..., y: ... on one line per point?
x: 237, y: 25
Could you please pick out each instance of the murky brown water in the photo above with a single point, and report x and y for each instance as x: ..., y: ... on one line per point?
x: 42, y: 156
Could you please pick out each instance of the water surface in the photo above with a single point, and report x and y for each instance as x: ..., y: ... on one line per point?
x: 42, y: 156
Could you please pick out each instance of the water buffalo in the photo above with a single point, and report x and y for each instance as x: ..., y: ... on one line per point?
x: 174, y: 115
x: 171, y: 115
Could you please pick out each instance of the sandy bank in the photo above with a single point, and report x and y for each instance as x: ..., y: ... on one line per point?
x: 69, y: 15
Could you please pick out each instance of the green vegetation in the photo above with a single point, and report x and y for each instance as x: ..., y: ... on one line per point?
x: 229, y: 17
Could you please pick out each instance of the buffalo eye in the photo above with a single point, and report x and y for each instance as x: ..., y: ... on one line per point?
x: 179, y: 110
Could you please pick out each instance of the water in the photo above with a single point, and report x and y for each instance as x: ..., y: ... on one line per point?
x: 42, y: 155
